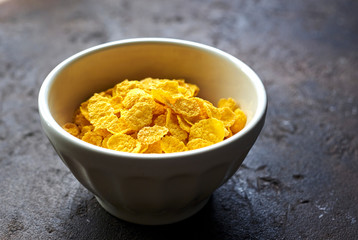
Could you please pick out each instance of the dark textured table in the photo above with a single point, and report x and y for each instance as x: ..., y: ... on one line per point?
x: 300, y: 180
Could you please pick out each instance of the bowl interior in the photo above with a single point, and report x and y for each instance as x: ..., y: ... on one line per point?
x: 217, y: 74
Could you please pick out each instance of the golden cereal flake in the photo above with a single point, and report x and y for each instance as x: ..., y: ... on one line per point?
x: 227, y: 102
x: 197, y: 143
x: 123, y: 142
x: 93, y: 138
x: 183, y: 124
x: 162, y: 96
x: 99, y: 108
x: 154, y: 148
x: 137, y: 95
x: 227, y: 116
x: 72, y: 129
x: 171, y: 144
x: 140, y: 115
x: 168, y: 86
x: 116, y: 103
x: 149, y: 135
x: 211, y: 129
x: 187, y: 107
x: 160, y: 120
x: 84, y: 109
x: 174, y: 128
x: 240, y: 121
x: 122, y: 88
x: 80, y: 120
x: 119, y: 126
x: 159, y: 109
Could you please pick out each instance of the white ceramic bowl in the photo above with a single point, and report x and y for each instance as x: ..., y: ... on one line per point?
x: 151, y: 188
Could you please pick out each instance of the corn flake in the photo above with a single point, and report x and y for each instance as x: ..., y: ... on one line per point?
x: 140, y: 115
x: 187, y: 107
x: 227, y: 102
x: 171, y: 144
x: 174, y: 128
x: 184, y: 124
x: 197, y: 143
x: 93, y: 138
x: 122, y: 88
x: 72, y: 129
x: 211, y: 129
x: 160, y: 120
x: 240, y: 121
x: 154, y: 148
x: 227, y: 116
x: 123, y: 142
x: 151, y: 135
x: 80, y: 120
x: 137, y: 95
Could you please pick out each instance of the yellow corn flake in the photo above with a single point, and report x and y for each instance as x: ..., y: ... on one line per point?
x: 140, y: 115
x: 105, y: 122
x: 123, y: 142
x: 158, y: 109
x: 148, y: 83
x: 194, y: 89
x: 84, y: 109
x: 227, y: 102
x: 86, y: 129
x: 116, y: 103
x: 122, y: 88
x: 72, y: 129
x: 137, y: 95
x: 169, y: 86
x: 174, y: 128
x: 99, y: 109
x: 228, y: 133
x: 211, y: 111
x: 132, y: 97
x: 162, y: 96
x: 187, y: 89
x: 211, y: 129
x: 184, y: 124
x: 151, y: 135
x: 143, y: 148
x: 240, y: 121
x: 120, y: 126
x: 102, y: 132
x: 154, y: 116
x: 154, y: 148
x: 171, y: 144
x: 80, y: 120
x: 93, y: 138
x: 187, y: 107
x: 197, y: 143
x: 203, y: 114
x: 105, y: 140
x: 227, y: 116
x: 160, y: 120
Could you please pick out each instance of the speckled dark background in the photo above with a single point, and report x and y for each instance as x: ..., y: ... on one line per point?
x: 300, y: 180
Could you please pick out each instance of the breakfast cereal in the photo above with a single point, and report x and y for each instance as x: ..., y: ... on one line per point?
x: 155, y: 116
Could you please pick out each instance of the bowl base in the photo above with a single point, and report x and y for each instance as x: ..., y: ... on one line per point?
x: 152, y: 219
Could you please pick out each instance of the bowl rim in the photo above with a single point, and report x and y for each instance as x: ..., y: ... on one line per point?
x: 49, y: 120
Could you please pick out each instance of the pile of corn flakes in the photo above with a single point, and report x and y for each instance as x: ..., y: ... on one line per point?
x: 154, y: 116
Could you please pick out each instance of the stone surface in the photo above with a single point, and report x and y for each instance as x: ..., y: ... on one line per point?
x: 298, y: 182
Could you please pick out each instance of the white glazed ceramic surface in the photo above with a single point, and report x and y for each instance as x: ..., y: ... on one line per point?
x: 151, y: 188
